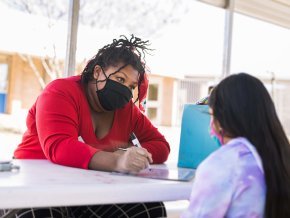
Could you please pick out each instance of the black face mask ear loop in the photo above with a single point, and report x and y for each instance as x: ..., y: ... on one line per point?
x: 104, y: 74
x: 97, y: 81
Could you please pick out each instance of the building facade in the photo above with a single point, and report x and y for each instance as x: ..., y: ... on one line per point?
x: 21, y: 83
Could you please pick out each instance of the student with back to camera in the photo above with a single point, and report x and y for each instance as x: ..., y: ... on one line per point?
x: 82, y: 121
x: 249, y: 176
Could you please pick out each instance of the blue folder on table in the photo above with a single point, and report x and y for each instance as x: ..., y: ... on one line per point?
x: 195, y: 142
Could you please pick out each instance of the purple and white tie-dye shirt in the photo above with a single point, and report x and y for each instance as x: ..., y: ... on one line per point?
x: 229, y: 183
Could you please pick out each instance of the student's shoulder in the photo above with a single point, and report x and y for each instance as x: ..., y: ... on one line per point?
x: 226, y: 156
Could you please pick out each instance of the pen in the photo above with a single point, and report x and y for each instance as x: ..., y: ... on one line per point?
x: 134, y: 140
x: 136, y: 143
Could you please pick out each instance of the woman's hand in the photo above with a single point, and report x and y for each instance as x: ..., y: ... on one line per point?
x: 133, y: 160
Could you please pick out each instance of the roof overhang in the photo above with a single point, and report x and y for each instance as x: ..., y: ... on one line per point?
x: 273, y: 11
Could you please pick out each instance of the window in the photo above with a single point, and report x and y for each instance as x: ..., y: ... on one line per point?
x: 152, y: 114
x: 153, y: 92
x: 3, y: 86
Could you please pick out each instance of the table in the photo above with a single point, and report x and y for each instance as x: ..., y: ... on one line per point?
x: 40, y: 183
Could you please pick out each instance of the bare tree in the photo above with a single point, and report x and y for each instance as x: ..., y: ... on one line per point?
x: 52, y: 64
x: 54, y: 9
x: 141, y: 17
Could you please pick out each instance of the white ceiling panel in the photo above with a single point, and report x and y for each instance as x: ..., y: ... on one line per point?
x: 272, y: 11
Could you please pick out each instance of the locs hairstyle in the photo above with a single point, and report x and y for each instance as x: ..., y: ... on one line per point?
x: 243, y: 107
x: 123, y: 50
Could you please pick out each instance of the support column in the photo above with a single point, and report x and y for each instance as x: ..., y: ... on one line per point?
x: 228, y: 31
x: 69, y: 68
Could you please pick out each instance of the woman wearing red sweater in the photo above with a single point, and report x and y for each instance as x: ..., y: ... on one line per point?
x: 83, y: 121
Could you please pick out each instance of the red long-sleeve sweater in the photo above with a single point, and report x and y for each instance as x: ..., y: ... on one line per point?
x: 61, y: 115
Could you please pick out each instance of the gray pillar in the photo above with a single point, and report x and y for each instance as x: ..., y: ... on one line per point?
x: 73, y: 17
x: 229, y: 16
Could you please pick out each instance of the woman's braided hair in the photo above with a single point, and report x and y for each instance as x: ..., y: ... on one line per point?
x: 126, y: 51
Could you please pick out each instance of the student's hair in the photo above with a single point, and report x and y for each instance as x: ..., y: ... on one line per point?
x: 123, y: 50
x: 244, y: 108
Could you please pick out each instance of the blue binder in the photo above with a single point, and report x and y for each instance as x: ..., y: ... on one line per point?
x: 195, y: 142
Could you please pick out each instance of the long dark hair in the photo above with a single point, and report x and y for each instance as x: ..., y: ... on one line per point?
x: 244, y: 108
x: 123, y: 50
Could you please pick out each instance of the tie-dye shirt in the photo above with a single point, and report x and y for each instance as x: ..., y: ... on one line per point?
x: 229, y: 183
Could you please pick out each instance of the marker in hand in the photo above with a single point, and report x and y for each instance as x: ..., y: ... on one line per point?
x: 136, y: 142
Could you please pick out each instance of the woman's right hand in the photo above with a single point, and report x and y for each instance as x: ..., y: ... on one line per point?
x: 133, y: 160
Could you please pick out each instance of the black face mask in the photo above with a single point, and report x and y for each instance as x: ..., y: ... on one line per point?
x: 114, y: 95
